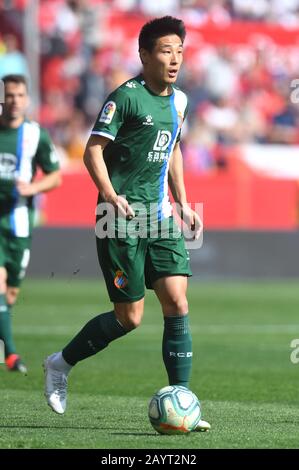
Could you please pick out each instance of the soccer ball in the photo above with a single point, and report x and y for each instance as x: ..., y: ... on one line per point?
x: 174, y: 410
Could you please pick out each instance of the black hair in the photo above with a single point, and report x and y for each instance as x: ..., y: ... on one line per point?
x: 158, y: 28
x: 15, y: 78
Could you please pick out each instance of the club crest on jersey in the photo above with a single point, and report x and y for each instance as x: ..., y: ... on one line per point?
x: 108, y: 112
x: 120, y: 281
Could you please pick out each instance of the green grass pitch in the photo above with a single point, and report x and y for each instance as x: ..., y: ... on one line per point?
x: 242, y: 371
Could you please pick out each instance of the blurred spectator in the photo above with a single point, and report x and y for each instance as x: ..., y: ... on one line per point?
x: 197, y: 12
x: 158, y: 7
x: 284, y: 126
x: 237, y: 93
x: 89, y: 18
x: 198, y: 147
x: 13, y: 60
x: 75, y: 137
x: 220, y: 77
x: 251, y: 9
x: 284, y: 129
x: 126, y: 5
x: 221, y: 117
x: 92, y: 87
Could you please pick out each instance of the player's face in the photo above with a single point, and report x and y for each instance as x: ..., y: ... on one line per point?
x: 164, y: 61
x: 16, y: 101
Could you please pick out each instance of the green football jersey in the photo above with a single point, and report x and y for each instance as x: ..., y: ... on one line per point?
x: 143, y: 128
x: 22, y: 150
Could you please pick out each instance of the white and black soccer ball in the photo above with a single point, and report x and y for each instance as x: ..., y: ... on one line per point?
x: 174, y: 410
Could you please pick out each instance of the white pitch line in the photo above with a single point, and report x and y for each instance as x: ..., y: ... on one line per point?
x: 238, y: 329
x: 204, y: 329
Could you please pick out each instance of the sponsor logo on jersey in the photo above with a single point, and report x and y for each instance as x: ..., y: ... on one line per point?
x: 162, y: 141
x: 120, y: 281
x: 159, y: 153
x: 108, y: 112
x: 148, y: 121
x: 8, y: 163
x: 157, y: 157
x: 131, y: 85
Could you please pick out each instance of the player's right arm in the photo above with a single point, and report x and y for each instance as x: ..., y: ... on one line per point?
x: 94, y: 161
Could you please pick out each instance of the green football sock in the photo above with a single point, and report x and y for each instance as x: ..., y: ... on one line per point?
x: 94, y: 336
x: 177, y: 349
x: 5, y: 327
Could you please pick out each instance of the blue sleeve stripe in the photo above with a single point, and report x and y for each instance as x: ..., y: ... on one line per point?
x: 169, y: 150
x: 19, y: 154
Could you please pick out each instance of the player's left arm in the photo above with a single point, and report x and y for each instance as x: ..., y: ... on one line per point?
x: 47, y: 160
x: 178, y: 190
x: 46, y: 183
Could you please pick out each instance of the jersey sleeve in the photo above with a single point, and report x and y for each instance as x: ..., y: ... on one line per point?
x: 115, y: 111
x: 181, y: 124
x: 46, y: 155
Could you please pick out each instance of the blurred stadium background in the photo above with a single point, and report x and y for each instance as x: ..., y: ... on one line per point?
x: 241, y: 157
x: 240, y: 143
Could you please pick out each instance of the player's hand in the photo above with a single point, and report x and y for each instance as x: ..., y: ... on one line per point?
x: 123, y: 208
x: 26, y: 189
x: 192, y: 220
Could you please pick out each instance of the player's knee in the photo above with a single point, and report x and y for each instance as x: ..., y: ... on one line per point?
x: 176, y: 306
x: 129, y: 315
x: 132, y: 322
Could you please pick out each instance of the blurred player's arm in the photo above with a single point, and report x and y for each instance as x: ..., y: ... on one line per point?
x: 95, y: 164
x: 178, y: 190
x: 47, y: 160
x: 46, y: 183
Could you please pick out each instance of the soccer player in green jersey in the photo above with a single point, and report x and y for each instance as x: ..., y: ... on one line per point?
x: 24, y: 146
x: 132, y: 155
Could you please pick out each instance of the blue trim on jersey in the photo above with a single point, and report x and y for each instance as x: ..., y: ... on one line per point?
x: 164, y: 167
x: 19, y: 155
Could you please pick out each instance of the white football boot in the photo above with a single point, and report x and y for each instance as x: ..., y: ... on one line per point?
x: 202, y: 426
x: 55, y: 386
